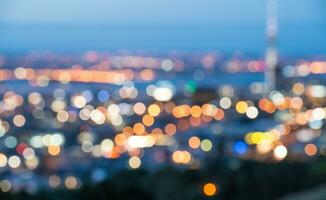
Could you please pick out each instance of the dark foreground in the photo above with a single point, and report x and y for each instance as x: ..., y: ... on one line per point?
x: 234, y: 180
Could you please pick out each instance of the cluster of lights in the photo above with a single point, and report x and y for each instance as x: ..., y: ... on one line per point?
x: 305, y: 69
x: 150, y: 117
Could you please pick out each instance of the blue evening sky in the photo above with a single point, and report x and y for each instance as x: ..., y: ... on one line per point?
x: 225, y: 25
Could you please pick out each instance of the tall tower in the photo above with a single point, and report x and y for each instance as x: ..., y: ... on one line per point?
x: 271, y: 57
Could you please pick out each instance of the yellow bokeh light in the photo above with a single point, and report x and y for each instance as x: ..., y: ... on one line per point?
x: 181, y: 157
x: 195, y: 111
x: 210, y: 189
x: 154, y: 110
x: 241, y: 107
x: 54, y: 150
x: 3, y: 160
